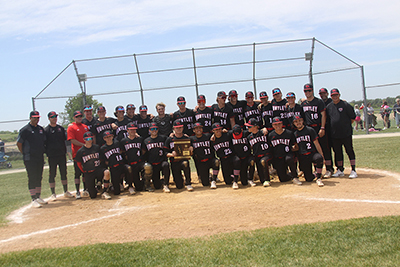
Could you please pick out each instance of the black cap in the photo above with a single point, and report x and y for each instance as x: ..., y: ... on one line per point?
x: 181, y: 99
x: 249, y: 94
x: 263, y: 94
x: 88, y: 134
x: 131, y: 125
x: 216, y: 125
x: 119, y: 108
x: 34, y: 114
x: 197, y: 124
x: 51, y: 114
x: 107, y: 133
x: 101, y: 108
x: 178, y: 123
x: 276, y: 91
x: 221, y: 94
x: 143, y: 108
x: 308, y: 86
x: 153, y: 125
x: 201, y: 98
x: 335, y: 91
x: 276, y: 120
x: 323, y: 90
x: 87, y: 107
x: 296, y: 117
x: 77, y: 113
x: 237, y: 129
x: 233, y: 93
x: 252, y: 122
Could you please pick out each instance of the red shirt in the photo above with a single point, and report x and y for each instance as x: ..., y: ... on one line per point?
x: 76, y: 131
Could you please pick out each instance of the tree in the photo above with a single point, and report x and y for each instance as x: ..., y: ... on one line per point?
x: 76, y: 103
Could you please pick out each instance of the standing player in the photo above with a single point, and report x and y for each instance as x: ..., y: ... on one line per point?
x: 282, y: 141
x: 230, y: 163
x: 56, y: 152
x: 203, y: 114
x: 251, y: 109
x: 309, y: 150
x: 341, y: 117
x: 31, y: 143
x: 293, y: 109
x: 88, y: 159
x: 204, y: 156
x: 315, y: 117
x: 223, y: 114
x: 266, y: 111
x: 279, y: 106
x: 178, y: 165
x: 156, y: 155
x: 144, y: 122
x: 185, y: 116
x: 237, y: 107
x: 89, y: 120
x: 163, y: 120
x: 101, y: 125
x: 120, y: 124
x: 75, y: 133
x: 261, y: 151
x: 130, y: 113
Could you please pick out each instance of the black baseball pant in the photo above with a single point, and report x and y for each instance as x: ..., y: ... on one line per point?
x: 281, y: 164
x: 34, y: 169
x: 133, y: 175
x: 338, y: 144
x: 306, y: 162
x: 247, y: 169
x: 230, y: 166
x: 203, y: 170
x: 61, y: 162
x: 157, y: 168
x: 177, y: 167
x: 262, y: 163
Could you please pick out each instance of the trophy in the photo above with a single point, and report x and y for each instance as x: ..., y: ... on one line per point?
x: 181, y: 148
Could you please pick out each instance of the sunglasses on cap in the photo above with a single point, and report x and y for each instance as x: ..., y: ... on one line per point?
x: 153, y: 129
x: 88, y: 138
x: 276, y: 91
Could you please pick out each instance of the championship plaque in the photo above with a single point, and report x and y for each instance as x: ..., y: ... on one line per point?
x: 181, y: 148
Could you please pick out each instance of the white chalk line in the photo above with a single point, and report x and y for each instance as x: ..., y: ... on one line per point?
x: 353, y: 200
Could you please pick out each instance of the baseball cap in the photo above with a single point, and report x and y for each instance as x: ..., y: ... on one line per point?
x: 197, y: 124
x: 178, y: 123
x: 107, y: 133
x: 130, y: 106
x: 233, y: 93
x: 237, y: 129
x: 153, y: 125
x: 296, y: 117
x: 276, y: 91
x: 249, y: 94
x: 252, y: 122
x: 308, y: 86
x: 221, y: 94
x: 181, y: 99
x: 34, y: 114
x: 143, y: 108
x: 87, y: 107
x: 216, y: 125
x: 131, y: 125
x: 51, y: 114
x: 323, y: 90
x: 101, y: 108
x: 119, y: 108
x: 335, y: 91
x: 77, y: 113
x: 88, y: 134
x: 290, y: 94
x: 276, y: 120
x: 263, y: 94
x: 201, y: 98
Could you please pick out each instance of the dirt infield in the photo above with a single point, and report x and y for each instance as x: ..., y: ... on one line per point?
x: 70, y: 222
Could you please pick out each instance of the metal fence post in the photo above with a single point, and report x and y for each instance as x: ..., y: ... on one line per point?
x: 310, y: 73
x: 33, y: 104
x: 195, y: 73
x: 254, y: 71
x: 364, y: 100
x: 140, y: 81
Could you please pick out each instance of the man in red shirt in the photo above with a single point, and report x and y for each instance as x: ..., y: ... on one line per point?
x: 75, y: 133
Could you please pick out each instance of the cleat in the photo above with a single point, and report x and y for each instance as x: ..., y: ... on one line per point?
x: 267, y: 183
x: 327, y: 174
x: 36, y: 204
x: 132, y: 190
x: 213, y: 185
x: 68, y: 194
x: 338, y: 173
x: 78, y: 195
x: 166, y: 189
x: 149, y: 189
x: 41, y: 201
x: 85, y: 193
x: 353, y: 174
x: 319, y: 182
x: 53, y: 197
x: 189, y: 188
x: 296, y: 181
x: 235, y: 185
x: 98, y: 186
x: 105, y: 195
x: 253, y: 184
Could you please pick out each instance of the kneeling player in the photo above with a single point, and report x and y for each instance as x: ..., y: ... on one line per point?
x: 88, y: 160
x: 310, y: 151
x: 204, y: 156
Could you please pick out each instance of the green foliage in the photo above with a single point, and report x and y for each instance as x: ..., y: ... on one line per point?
x: 76, y: 103
x: 8, y: 136
x: 377, y: 102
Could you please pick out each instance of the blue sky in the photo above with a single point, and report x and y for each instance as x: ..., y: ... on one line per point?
x: 39, y: 38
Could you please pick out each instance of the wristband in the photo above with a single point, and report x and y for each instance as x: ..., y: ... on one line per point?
x: 322, y: 128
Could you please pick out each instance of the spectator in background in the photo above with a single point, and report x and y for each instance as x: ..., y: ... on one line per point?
x: 385, y: 112
x: 357, y: 120
x: 396, y: 112
x: 2, y: 146
x: 370, y: 118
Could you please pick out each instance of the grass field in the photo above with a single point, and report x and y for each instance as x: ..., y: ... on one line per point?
x: 357, y: 242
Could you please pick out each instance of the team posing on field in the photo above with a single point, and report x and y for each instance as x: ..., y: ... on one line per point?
x: 237, y: 137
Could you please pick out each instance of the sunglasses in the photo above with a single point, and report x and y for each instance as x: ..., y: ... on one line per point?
x: 153, y: 129
x: 88, y: 138
x: 54, y: 116
x: 79, y: 116
x: 181, y: 103
x: 223, y: 97
x: 307, y: 91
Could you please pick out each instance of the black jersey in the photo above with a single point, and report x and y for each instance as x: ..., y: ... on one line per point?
x: 205, y: 118
x: 134, y: 119
x: 340, y: 116
x: 55, y: 141
x: 88, y: 123
x: 33, y: 141
x: 99, y: 127
x: 297, y: 110
x: 170, y: 144
x: 281, y: 144
x: 202, y: 148
x: 223, y: 146
x: 223, y: 115
x: 121, y: 131
x: 279, y: 110
x: 259, y: 144
x: 252, y: 112
x: 187, y: 119
x: 155, y: 149
x: 143, y: 125
x: 267, y: 114
x: 312, y: 113
x: 305, y: 140
x: 132, y: 149
x: 238, y: 111
x: 88, y: 157
x: 241, y: 145
x: 164, y: 124
x: 111, y: 154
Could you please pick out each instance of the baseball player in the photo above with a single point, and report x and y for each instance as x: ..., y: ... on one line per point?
x: 251, y: 109
x: 223, y: 114
x: 261, y: 150
x: 324, y: 94
x: 120, y: 124
x: 178, y: 165
x: 204, y: 156
x: 230, y: 163
x: 266, y: 111
x: 56, y: 152
x: 75, y: 134
x: 144, y: 122
x: 279, y: 106
x: 132, y: 149
x: 184, y: 115
x: 130, y: 113
x: 156, y: 156
x: 315, y: 117
x: 88, y: 159
x: 101, y: 125
x: 341, y: 116
x: 309, y: 150
x: 281, y: 141
x: 203, y: 114
x: 237, y: 107
x: 31, y: 143
x: 163, y: 120
x: 89, y: 120
x: 293, y: 109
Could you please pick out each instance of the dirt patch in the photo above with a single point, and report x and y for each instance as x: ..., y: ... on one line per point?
x: 125, y: 218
